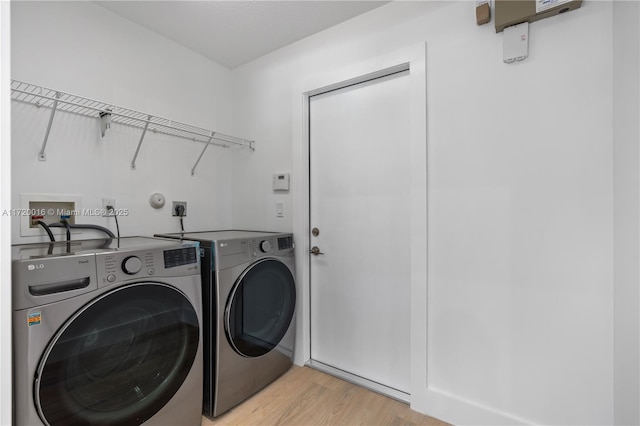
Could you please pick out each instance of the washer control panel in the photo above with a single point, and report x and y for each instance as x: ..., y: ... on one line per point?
x: 125, y: 265
x: 180, y: 256
x: 131, y: 265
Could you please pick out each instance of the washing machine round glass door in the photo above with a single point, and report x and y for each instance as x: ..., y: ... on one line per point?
x: 260, y: 308
x: 119, y: 359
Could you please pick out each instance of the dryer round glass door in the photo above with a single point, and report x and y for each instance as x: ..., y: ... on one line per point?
x: 119, y: 359
x: 260, y: 308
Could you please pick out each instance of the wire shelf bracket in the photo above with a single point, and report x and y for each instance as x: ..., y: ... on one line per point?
x: 108, y: 114
x: 105, y: 122
x: 193, y: 169
x: 144, y: 132
x: 41, y: 155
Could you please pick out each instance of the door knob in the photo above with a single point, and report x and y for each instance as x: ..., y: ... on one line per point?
x: 315, y: 250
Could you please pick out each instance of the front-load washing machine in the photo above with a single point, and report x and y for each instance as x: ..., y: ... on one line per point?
x: 249, y: 295
x: 107, y: 332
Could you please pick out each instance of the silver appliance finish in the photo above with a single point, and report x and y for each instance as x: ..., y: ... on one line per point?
x: 54, y: 284
x: 230, y: 375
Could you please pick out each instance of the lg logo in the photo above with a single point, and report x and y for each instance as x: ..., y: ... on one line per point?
x: 33, y: 267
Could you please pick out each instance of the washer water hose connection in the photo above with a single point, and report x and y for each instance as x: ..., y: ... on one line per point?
x: 84, y: 226
x: 47, y: 229
x: 66, y: 224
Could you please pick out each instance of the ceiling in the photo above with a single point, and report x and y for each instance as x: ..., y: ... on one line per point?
x: 233, y: 33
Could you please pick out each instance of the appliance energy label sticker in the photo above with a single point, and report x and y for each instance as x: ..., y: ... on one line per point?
x: 34, y: 318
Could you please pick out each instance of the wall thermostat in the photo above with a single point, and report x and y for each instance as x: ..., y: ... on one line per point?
x: 281, y: 181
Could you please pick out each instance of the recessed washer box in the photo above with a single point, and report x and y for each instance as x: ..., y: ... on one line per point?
x: 513, y: 12
x: 48, y: 208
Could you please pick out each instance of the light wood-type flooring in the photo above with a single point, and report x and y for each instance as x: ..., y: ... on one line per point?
x: 303, y: 396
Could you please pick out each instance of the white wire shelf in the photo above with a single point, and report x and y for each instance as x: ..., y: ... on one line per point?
x: 107, y: 113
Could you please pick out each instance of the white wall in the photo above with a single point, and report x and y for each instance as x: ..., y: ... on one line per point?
x: 626, y: 137
x: 520, y: 256
x: 521, y: 188
x: 6, y: 405
x: 83, y: 49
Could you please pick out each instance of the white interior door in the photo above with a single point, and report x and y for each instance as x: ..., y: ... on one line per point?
x: 360, y: 204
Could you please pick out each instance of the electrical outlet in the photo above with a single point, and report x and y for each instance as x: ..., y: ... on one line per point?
x: 108, y: 207
x: 179, y: 208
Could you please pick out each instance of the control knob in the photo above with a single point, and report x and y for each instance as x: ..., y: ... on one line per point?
x: 265, y: 246
x: 131, y: 265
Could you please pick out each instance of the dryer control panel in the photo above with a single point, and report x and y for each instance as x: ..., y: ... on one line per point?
x: 271, y: 245
x: 285, y: 243
x: 232, y: 252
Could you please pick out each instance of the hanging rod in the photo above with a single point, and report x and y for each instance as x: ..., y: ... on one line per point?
x: 60, y: 101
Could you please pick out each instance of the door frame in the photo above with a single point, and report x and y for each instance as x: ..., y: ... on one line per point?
x: 414, y: 59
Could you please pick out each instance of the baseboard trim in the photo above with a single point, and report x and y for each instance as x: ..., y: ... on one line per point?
x: 458, y: 411
x: 361, y: 381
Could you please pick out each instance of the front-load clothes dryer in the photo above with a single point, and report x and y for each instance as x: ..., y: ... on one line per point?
x: 107, y: 332
x: 249, y: 297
